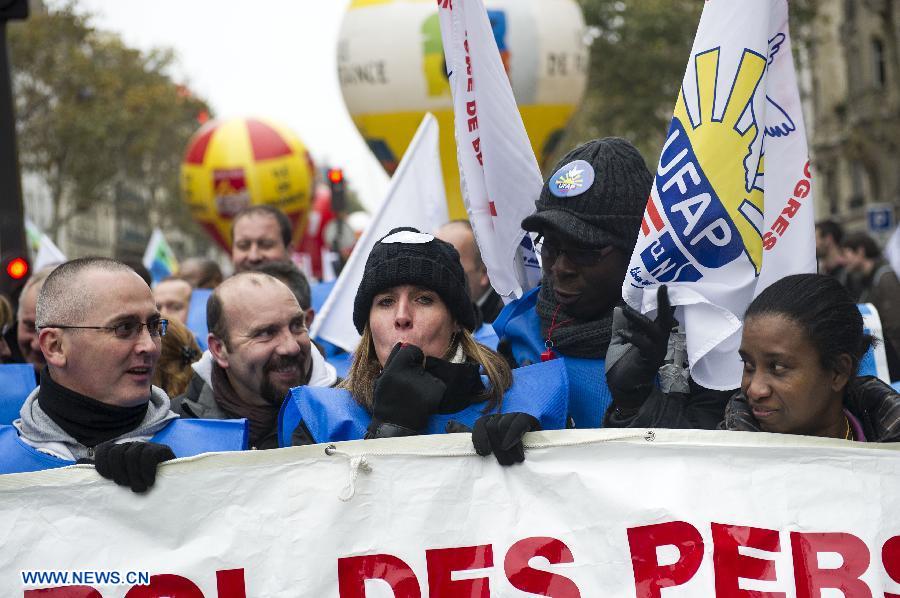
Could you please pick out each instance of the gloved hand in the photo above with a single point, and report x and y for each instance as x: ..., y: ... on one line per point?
x: 405, y: 394
x: 637, y: 350
x: 131, y: 463
x: 501, y: 434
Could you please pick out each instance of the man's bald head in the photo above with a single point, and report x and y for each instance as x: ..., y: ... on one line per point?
x: 459, y: 234
x: 243, y: 287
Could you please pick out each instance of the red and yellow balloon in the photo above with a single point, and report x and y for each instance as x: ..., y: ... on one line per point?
x: 231, y: 164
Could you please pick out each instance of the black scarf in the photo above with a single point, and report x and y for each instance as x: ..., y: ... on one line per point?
x: 87, y: 420
x: 463, y: 380
x: 262, y: 416
x: 571, y: 336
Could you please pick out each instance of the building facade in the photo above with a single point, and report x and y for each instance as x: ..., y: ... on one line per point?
x: 854, y: 100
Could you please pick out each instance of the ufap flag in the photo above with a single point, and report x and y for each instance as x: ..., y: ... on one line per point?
x: 159, y: 258
x: 43, y: 249
x: 498, y: 172
x: 415, y: 198
x: 731, y: 209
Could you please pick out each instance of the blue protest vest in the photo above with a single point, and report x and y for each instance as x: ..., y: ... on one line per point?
x: 589, y: 396
x: 17, y: 380
x: 186, y: 437
x: 486, y: 336
x: 331, y: 414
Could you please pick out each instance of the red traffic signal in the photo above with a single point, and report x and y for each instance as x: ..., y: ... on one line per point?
x: 335, y: 175
x: 17, y: 269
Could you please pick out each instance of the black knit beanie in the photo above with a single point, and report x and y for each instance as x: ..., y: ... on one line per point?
x: 596, y: 196
x: 407, y: 256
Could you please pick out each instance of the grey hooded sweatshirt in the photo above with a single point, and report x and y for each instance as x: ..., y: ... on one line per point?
x: 39, y: 431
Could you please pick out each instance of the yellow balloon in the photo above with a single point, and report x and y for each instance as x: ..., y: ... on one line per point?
x: 231, y: 164
x: 391, y: 68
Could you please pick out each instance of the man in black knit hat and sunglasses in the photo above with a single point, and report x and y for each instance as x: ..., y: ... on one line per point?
x: 587, y: 219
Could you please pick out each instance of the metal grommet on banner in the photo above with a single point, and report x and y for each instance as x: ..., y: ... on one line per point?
x: 330, y: 449
x: 650, y: 436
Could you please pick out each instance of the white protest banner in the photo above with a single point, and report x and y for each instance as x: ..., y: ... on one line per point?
x: 731, y: 209
x: 415, y: 198
x: 498, y: 172
x: 590, y: 513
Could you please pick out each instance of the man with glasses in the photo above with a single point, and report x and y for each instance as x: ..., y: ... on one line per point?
x: 587, y: 218
x: 100, y: 333
x: 259, y: 348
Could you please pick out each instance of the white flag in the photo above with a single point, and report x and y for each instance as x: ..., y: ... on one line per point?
x: 731, y: 210
x: 498, y: 172
x: 415, y: 198
x: 43, y: 248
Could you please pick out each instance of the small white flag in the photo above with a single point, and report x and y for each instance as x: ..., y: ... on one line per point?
x: 731, y: 210
x: 43, y: 248
x: 415, y: 198
x: 499, y: 174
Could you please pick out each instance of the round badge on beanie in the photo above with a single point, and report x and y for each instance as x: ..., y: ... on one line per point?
x: 572, y: 179
x: 408, y: 256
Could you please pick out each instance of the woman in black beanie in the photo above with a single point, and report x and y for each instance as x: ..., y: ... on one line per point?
x: 417, y: 369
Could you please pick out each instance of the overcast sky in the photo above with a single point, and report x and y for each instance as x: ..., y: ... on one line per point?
x: 269, y: 58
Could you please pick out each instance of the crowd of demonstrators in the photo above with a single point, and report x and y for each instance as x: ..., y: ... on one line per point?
x: 259, y: 348
x: 109, y: 353
x: 259, y: 233
x: 487, y: 302
x: 201, y: 273
x: 418, y: 368
x: 587, y: 234
x: 173, y: 298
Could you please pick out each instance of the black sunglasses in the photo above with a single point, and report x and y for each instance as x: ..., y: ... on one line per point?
x: 550, y: 252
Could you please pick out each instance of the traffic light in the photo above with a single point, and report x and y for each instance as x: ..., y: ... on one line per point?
x: 17, y: 268
x: 336, y: 182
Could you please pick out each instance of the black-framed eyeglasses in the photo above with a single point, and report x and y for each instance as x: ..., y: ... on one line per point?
x: 551, y: 250
x: 126, y: 330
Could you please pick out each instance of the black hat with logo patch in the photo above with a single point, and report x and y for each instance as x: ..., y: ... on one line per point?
x: 596, y: 196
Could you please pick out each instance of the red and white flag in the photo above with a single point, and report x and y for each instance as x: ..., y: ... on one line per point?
x: 499, y: 174
x: 731, y: 209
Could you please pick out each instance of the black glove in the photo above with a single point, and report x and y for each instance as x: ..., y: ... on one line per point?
x: 131, y: 463
x: 637, y: 350
x: 405, y: 394
x: 501, y: 434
